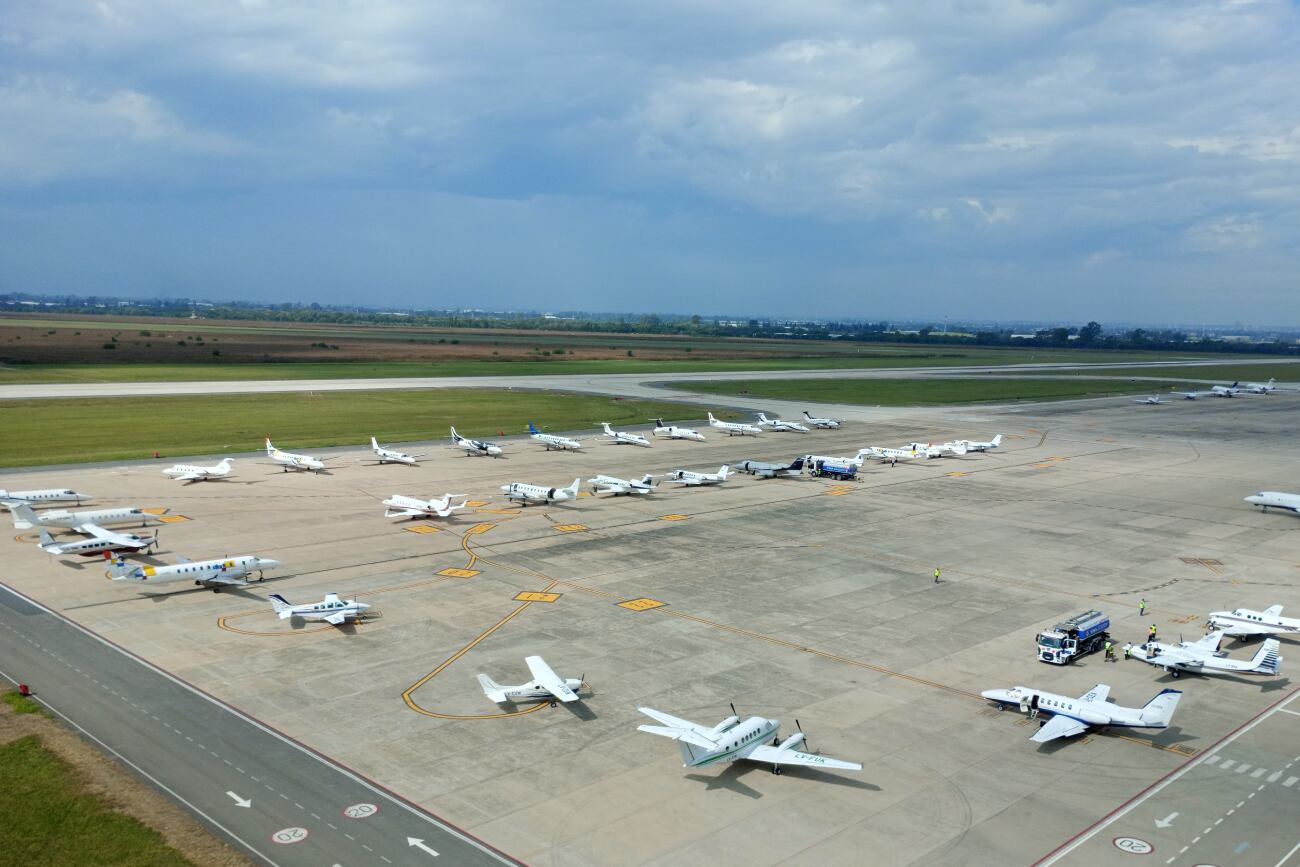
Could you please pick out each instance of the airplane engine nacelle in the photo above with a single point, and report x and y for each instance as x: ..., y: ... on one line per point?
x: 791, y: 742
x: 1092, y: 717
x: 726, y: 724
x: 550, y: 495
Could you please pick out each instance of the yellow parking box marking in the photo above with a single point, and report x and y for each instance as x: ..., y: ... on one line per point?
x: 156, y: 510
x: 570, y: 528
x: 479, y: 528
x: 172, y: 519
x: 459, y: 573
x: 422, y: 528
x: 957, y: 475
x: 1044, y: 466
x: 673, y: 517
x: 536, y: 597
x: 476, y: 503
x: 1057, y: 458
x: 584, y: 493
x: 836, y: 493
x: 642, y: 604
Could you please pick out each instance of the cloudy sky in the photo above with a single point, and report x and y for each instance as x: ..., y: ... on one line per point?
x: 1117, y: 161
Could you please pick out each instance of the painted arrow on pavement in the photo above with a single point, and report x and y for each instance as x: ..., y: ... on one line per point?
x: 240, y: 802
x: 1166, y: 821
x: 419, y: 844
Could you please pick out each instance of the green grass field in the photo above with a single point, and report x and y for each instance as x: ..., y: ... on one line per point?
x: 100, y: 429
x: 924, y: 392
x: 47, y: 821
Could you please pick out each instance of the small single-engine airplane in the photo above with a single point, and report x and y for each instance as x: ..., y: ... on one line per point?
x: 830, y: 423
x: 1153, y: 400
x: 1243, y: 622
x: 690, y: 477
x: 765, y: 470
x: 980, y: 445
x: 290, y: 461
x: 1204, y: 657
x: 1073, y: 716
x: 475, y: 447
x: 602, y: 484
x: 546, y: 685
x: 733, y: 428
x: 1275, y: 500
x: 734, y: 740
x: 100, y: 540
x: 552, y: 441
x: 42, y: 498
x: 25, y: 517
x: 777, y: 424
x: 199, y: 473
x: 331, y: 609
x: 389, y: 456
x: 620, y: 438
x: 526, y: 494
x: 224, y: 572
x: 401, y: 506
x: 673, y: 432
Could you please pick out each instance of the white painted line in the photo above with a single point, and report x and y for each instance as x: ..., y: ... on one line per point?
x: 1272, y: 778
x: 1229, y: 763
x: 1242, y: 768
x: 1258, y: 772
x: 1290, y: 781
x: 1294, y: 712
x: 1288, y: 855
x: 1211, y: 760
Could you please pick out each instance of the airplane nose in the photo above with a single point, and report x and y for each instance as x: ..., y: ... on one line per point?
x: 263, y: 563
x: 995, y: 694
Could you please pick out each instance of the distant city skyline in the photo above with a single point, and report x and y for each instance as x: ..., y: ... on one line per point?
x: 1010, y: 161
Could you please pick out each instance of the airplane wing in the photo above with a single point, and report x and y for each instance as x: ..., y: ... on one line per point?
x: 404, y: 513
x: 612, y: 489
x: 549, y: 680
x: 107, y: 535
x: 674, y: 722
x: 1273, y: 611
x: 226, y: 580
x: 1098, y: 693
x: 1210, y: 643
x: 680, y: 735
x: 336, y: 619
x: 775, y: 756
x: 191, y: 477
x: 1059, y: 726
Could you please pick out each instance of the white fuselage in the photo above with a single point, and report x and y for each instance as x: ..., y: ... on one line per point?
x: 690, y: 477
x: 673, y: 432
x: 524, y: 493
x: 1275, y: 500
x: 777, y: 424
x: 401, y: 506
x: 89, y: 547
x: 291, y: 461
x: 732, y: 428
x: 195, y: 472
x: 99, y: 517
x: 1092, y: 713
x: 825, y: 423
x: 347, y: 609
x: 200, y: 572
x: 476, y: 447
x: 388, y: 456
x: 1244, y: 621
x: 737, y: 741
x: 45, y: 498
x: 893, y: 454
x: 1189, y: 656
x: 551, y: 441
x: 614, y: 485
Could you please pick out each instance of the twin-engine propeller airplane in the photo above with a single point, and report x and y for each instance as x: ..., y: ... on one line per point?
x: 290, y: 461
x: 546, y: 685
x: 198, y: 472
x: 1204, y: 657
x: 475, y: 447
x: 331, y: 609
x: 828, y: 423
x: 223, y: 572
x: 385, y: 455
x: 100, y: 541
x: 619, y: 437
x: 1243, y: 622
x: 552, y: 441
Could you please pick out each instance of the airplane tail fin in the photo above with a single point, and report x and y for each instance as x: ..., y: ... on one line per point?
x: 723, y: 472
x: 270, y: 449
x: 117, y: 567
x: 648, y: 479
x: 24, y: 517
x: 532, y: 429
x: 609, y: 431
x: 281, y: 606
x: 660, y: 423
x: 573, y: 488
x: 1266, y: 659
x: 1160, y: 710
x: 796, y: 465
x: 46, y: 538
x: 997, y: 440
x: 374, y: 444
x: 491, y: 688
x: 1271, y: 380
x: 712, y: 420
x: 454, y: 435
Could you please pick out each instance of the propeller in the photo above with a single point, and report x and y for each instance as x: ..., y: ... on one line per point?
x: 805, y: 736
x: 732, y: 705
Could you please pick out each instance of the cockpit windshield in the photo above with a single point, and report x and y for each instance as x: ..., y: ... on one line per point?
x: 1050, y: 641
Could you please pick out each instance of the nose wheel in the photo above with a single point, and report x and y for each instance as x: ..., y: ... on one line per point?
x: 776, y: 769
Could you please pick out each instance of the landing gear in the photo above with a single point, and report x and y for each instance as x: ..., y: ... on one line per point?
x: 1175, y: 673
x: 555, y: 704
x: 776, y: 769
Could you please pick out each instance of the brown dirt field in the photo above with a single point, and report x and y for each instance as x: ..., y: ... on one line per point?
x: 101, y: 776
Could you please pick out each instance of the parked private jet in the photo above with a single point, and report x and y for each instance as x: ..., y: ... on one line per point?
x: 690, y: 477
x: 43, y: 498
x: 224, y: 572
x: 981, y: 445
x: 831, y: 423
x: 1204, y: 657
x: 290, y: 461
x: 1073, y: 716
x: 552, y: 441
x: 526, y: 494
x: 389, y: 456
x: 25, y: 517
x: 620, y: 438
x: 733, y: 428
x: 546, y: 685
x: 943, y: 450
x: 891, y: 455
x: 100, y: 540
x: 1275, y: 500
x: 475, y: 447
x: 199, y: 473
x: 614, y: 485
x: 1153, y: 400
x: 1260, y: 387
x: 673, y: 432
x: 331, y: 609
x: 1217, y: 391
x: 1243, y: 622
x: 734, y: 740
x: 765, y: 470
x: 401, y: 506
x: 777, y: 424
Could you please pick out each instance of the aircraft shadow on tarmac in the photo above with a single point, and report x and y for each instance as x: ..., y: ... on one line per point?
x: 1272, y: 684
x: 729, y: 778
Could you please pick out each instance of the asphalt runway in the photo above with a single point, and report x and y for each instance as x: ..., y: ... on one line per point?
x: 797, y: 599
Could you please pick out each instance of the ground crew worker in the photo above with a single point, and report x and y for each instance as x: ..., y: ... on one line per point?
x: 1128, y: 650
x: 1110, y: 651
x: 1142, y: 608
x: 1153, y: 632
x: 936, y: 574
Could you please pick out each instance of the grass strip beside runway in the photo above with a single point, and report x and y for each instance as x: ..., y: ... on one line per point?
x: 924, y: 392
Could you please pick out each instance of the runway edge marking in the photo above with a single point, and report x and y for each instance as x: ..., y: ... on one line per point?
x: 378, y: 789
x: 1155, y: 788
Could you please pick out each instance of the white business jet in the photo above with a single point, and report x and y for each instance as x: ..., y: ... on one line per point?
x: 733, y: 428
x: 1243, y: 622
x: 290, y: 461
x: 673, y: 432
x: 331, y: 609
x: 224, y: 572
x: 826, y: 423
x: 546, y: 685
x: 389, y: 456
x: 552, y: 441
x: 400, y: 506
x: 1204, y: 657
x: 690, y: 477
x: 100, y: 540
x: 475, y: 447
x: 1073, y: 716
x: 1216, y: 391
x: 199, y: 473
x: 620, y: 438
x: 733, y: 740
x: 1260, y: 387
x: 526, y: 494
x: 613, y: 485
x: 777, y: 424
x: 43, y: 498
x: 1275, y: 500
x: 25, y: 517
x: 981, y: 445
x: 1153, y: 400
x: 943, y: 450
